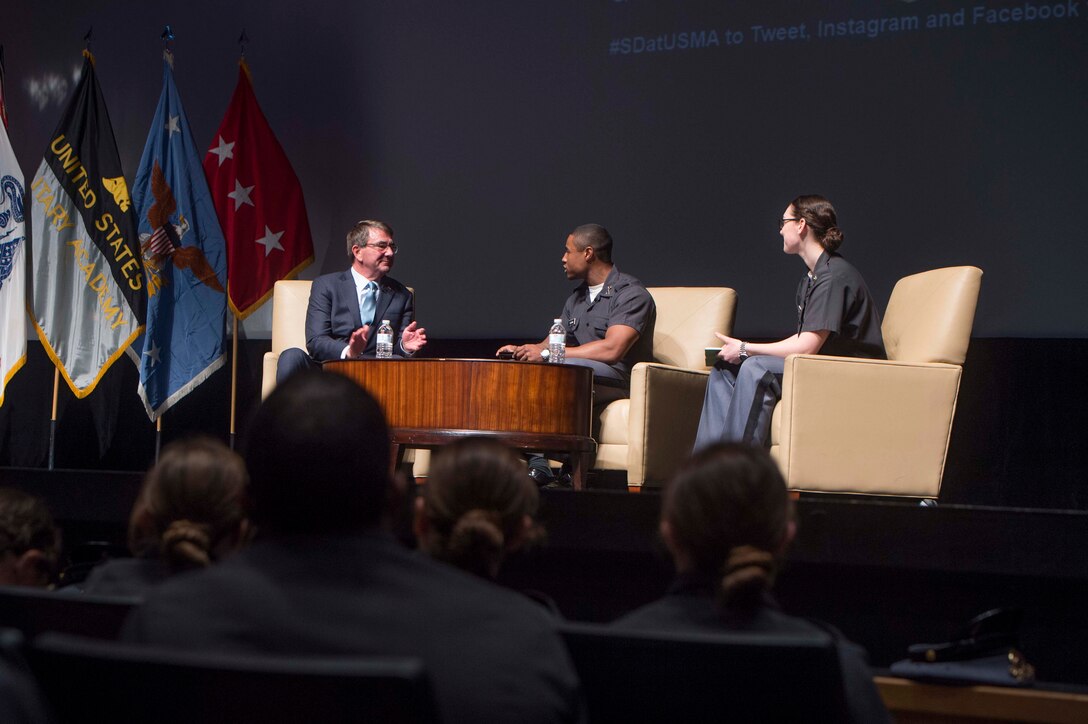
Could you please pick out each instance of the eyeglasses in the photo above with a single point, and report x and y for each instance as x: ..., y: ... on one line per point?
x: 782, y: 222
x: 383, y: 245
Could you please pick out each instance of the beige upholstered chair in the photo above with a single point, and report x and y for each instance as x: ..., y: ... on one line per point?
x: 881, y: 427
x: 289, y: 301
x: 649, y: 434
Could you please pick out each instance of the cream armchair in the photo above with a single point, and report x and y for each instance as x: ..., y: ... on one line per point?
x: 649, y: 434
x: 881, y: 427
x: 289, y: 301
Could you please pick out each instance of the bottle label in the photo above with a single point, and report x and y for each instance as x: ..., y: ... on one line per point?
x: 557, y: 339
x: 385, y: 339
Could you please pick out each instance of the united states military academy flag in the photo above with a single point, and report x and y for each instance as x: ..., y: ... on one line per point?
x: 184, y: 257
x: 89, y: 295
x: 12, y: 255
x: 259, y: 201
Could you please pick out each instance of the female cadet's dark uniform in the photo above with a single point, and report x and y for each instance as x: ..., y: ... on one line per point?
x: 741, y: 398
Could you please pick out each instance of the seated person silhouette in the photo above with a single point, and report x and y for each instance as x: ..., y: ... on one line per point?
x: 726, y: 519
x: 29, y: 540
x: 477, y: 507
x: 325, y: 576
x: 189, y: 514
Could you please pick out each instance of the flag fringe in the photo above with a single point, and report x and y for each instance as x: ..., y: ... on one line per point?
x: 181, y: 391
x: 80, y: 394
x: 11, y: 373
x: 242, y: 314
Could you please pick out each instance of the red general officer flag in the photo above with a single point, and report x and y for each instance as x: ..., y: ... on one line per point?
x: 258, y: 200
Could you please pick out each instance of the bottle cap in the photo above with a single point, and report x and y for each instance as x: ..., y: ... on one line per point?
x: 385, y: 321
x: 558, y: 321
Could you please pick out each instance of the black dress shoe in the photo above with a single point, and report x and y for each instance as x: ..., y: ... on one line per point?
x: 540, y: 472
x: 563, y: 481
x: 543, y: 478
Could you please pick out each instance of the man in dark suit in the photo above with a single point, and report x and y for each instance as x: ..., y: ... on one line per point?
x: 346, y: 307
x: 325, y: 575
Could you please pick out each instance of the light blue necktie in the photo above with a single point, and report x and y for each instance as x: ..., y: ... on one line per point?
x: 368, y: 303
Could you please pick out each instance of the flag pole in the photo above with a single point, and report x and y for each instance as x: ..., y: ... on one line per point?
x: 166, y: 37
x: 242, y: 40
x: 53, y: 417
x: 233, y: 379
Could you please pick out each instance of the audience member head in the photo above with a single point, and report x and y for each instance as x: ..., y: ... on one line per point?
x: 596, y: 237
x: 191, y: 509
x: 819, y: 215
x: 479, y: 504
x: 359, y: 234
x: 727, y: 514
x: 318, y: 457
x: 29, y: 540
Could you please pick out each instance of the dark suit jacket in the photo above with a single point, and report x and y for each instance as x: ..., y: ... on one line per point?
x: 690, y: 606
x: 492, y: 655
x: 333, y: 314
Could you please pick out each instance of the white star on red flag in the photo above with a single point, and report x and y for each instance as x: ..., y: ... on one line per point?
x: 224, y: 150
x: 240, y: 194
x: 270, y: 241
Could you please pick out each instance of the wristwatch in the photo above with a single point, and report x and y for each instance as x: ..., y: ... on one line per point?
x: 743, y: 354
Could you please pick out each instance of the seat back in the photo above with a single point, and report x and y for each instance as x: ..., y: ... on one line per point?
x: 687, y: 318
x: 930, y: 315
x: 19, y: 698
x: 35, y: 611
x: 290, y: 297
x: 83, y: 680
x: 636, y: 676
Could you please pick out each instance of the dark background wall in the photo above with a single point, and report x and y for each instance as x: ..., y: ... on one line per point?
x: 484, y: 131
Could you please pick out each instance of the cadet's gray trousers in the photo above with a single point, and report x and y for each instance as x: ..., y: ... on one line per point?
x: 739, y: 402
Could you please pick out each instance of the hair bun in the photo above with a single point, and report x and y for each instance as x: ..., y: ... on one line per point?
x: 476, y: 542
x: 186, y: 544
x: 747, y: 573
x: 833, y: 238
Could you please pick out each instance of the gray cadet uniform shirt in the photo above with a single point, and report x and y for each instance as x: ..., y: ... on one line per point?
x: 622, y: 300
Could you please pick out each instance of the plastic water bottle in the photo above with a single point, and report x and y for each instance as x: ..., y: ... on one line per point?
x: 557, y: 343
x: 385, y: 340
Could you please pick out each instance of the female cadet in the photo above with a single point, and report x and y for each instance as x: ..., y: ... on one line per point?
x: 727, y: 520
x: 190, y: 513
x: 478, y: 506
x: 836, y: 315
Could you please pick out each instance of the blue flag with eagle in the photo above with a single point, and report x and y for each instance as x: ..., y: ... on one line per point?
x: 184, y: 259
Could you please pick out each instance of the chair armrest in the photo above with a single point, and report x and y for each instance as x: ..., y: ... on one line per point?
x: 879, y: 427
x: 268, y: 374
x: 664, y: 415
